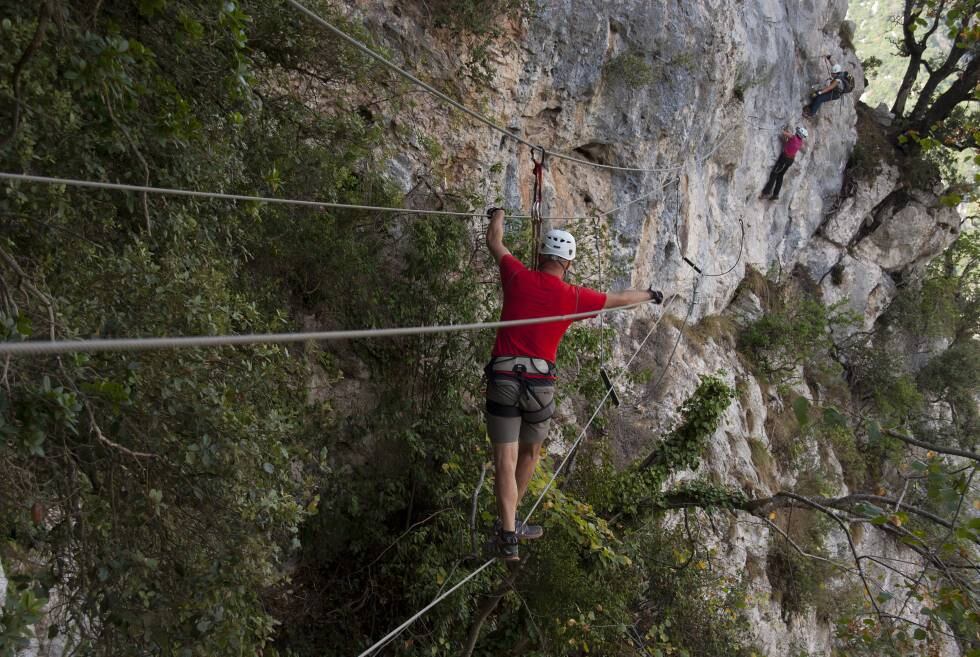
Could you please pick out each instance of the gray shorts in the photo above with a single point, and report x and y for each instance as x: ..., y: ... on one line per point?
x: 518, y: 409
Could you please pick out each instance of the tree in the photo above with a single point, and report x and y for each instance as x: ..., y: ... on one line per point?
x: 954, y: 78
x: 944, y: 118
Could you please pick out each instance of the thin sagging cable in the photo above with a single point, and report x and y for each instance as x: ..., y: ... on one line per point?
x: 176, y: 191
x: 738, y: 259
x: 398, y: 630
x: 37, y: 347
x: 454, y: 103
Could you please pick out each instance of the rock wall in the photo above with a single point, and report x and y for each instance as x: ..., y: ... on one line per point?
x: 698, y: 89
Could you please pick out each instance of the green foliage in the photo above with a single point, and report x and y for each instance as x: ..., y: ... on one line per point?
x: 942, y: 309
x: 878, y: 371
x: 691, y: 609
x: 953, y: 377
x: 794, y: 334
x: 638, y: 488
x: 803, y: 582
x: 931, y: 164
x: 936, y: 141
x: 630, y: 69
x: 164, y: 492
x: 476, y: 17
x: 870, y: 66
x: 23, y: 607
x: 828, y: 427
x: 264, y: 500
x: 863, y: 164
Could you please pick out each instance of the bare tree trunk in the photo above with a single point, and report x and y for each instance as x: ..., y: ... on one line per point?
x: 915, y: 48
x: 911, y: 73
x: 486, y: 608
x: 935, y: 79
x: 960, y: 91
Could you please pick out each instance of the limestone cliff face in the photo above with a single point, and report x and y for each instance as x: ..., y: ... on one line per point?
x: 700, y: 90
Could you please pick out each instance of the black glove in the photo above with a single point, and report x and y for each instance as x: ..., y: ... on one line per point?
x: 490, y: 212
x: 656, y: 296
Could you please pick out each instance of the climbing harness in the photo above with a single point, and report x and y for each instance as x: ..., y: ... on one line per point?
x: 528, y: 373
x: 538, y: 172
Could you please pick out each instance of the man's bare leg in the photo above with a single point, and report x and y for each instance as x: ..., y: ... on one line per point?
x: 505, y: 458
x: 527, y: 461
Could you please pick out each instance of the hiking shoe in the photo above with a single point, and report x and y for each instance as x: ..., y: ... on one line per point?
x: 524, y: 532
x: 773, y: 198
x: 763, y: 195
x: 507, y: 546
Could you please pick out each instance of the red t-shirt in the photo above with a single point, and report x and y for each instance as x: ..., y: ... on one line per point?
x: 792, y: 146
x: 529, y: 293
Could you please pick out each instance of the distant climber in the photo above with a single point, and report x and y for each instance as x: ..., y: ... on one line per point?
x: 793, y: 143
x: 521, y: 374
x: 841, y: 82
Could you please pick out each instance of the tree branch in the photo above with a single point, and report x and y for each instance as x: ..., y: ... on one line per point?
x: 42, y: 23
x: 486, y: 608
x: 850, y: 542
x: 953, y: 451
x: 139, y: 156
x: 109, y: 443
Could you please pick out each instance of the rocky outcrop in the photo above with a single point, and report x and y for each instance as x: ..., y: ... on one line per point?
x: 698, y: 90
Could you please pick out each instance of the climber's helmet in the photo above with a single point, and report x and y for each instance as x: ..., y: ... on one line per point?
x: 835, y: 69
x: 801, y: 132
x: 559, y: 244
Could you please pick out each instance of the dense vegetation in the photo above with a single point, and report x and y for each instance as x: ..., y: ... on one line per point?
x: 265, y: 500
x: 304, y: 500
x: 896, y: 406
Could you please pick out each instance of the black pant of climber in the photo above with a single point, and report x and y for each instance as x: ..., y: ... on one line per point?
x: 818, y: 100
x: 775, y: 182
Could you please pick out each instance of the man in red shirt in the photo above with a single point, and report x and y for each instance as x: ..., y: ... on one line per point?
x: 792, y: 144
x: 521, y: 371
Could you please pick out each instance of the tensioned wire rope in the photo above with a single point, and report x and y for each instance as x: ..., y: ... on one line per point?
x: 435, y: 601
x: 456, y: 104
x: 176, y: 191
x: 144, y: 344
x: 147, y: 343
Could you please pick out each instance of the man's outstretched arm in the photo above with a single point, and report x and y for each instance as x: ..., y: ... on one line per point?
x: 628, y: 297
x: 495, y: 235
x: 834, y: 83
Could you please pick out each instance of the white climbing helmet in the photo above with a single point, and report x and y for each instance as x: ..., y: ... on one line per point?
x: 801, y: 132
x: 836, y: 69
x: 558, y: 243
